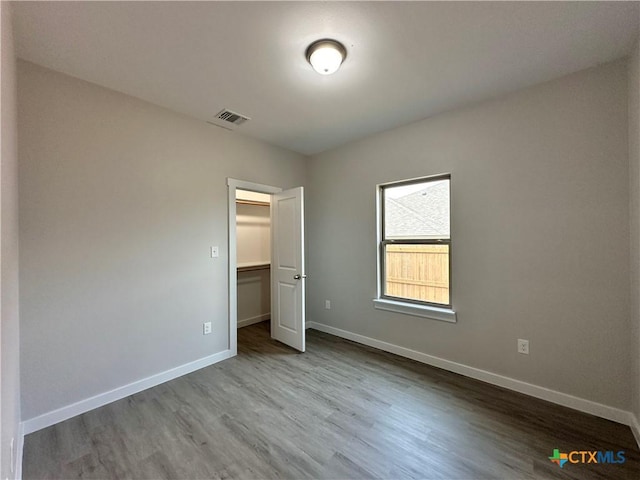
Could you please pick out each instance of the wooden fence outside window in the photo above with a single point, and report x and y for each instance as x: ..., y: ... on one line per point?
x: 418, y: 272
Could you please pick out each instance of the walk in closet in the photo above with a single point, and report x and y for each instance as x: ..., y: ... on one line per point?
x: 253, y: 236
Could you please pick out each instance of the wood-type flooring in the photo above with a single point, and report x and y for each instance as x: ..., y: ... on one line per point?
x: 338, y: 411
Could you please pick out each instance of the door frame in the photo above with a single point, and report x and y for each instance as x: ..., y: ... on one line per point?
x: 233, y: 185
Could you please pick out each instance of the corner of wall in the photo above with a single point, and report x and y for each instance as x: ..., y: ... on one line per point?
x: 634, y: 227
x: 11, y: 437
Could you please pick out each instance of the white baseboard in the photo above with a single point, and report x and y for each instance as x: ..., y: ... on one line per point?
x: 635, y: 428
x: 581, y: 404
x: 251, y: 320
x: 56, y: 416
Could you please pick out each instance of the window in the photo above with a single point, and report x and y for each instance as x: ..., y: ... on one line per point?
x: 415, y: 243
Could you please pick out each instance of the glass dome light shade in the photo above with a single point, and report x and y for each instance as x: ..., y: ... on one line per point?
x: 326, y: 56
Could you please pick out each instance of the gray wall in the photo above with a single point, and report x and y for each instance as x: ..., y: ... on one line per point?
x: 120, y: 201
x: 540, y: 232
x: 634, y: 216
x: 10, y: 327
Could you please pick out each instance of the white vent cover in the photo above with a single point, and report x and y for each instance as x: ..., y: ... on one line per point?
x: 228, y: 119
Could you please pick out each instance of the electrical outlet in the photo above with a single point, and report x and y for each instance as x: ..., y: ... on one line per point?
x: 523, y: 346
x: 327, y: 304
x: 206, y: 328
x: 214, y: 252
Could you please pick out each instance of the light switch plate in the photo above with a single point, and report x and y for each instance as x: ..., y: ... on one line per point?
x: 214, y: 252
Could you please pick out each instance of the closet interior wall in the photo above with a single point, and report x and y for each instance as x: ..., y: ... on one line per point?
x: 253, y: 223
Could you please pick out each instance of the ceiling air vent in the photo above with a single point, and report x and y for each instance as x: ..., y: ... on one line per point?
x: 228, y: 119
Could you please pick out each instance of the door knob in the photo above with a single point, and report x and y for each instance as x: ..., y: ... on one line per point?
x: 298, y: 277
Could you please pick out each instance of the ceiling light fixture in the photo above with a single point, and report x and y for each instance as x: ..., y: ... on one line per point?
x: 326, y: 56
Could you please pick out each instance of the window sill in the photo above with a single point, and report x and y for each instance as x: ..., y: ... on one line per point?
x: 434, y: 313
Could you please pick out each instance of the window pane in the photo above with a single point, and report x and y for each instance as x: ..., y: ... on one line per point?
x: 417, y: 211
x: 417, y: 272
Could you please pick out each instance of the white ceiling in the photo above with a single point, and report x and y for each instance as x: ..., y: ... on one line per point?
x: 406, y: 60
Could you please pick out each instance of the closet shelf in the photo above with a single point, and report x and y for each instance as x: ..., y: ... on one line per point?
x: 249, y: 267
x: 253, y: 202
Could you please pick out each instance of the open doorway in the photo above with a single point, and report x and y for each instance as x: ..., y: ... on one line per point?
x: 286, y: 268
x: 253, y: 256
x: 234, y: 186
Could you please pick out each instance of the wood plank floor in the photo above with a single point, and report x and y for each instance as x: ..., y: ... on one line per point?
x: 339, y: 411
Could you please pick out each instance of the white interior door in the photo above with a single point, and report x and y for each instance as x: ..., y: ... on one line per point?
x: 287, y: 268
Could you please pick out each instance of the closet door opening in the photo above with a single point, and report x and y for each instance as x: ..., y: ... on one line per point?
x: 266, y: 265
x: 253, y: 257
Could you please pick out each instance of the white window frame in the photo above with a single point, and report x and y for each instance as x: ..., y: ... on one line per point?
x: 401, y: 305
